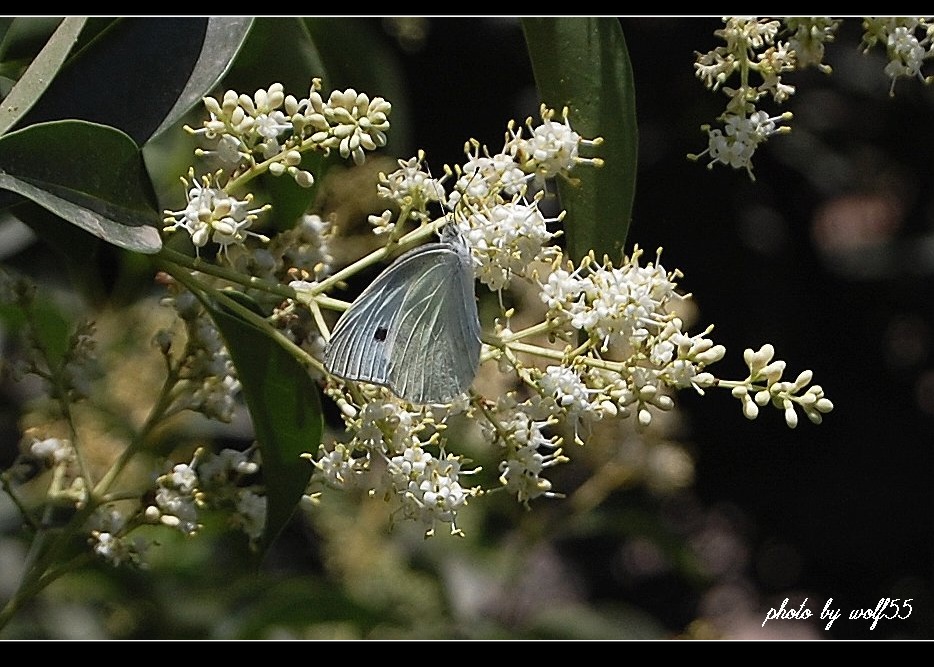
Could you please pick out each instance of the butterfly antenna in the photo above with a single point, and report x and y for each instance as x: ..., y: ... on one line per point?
x: 442, y: 201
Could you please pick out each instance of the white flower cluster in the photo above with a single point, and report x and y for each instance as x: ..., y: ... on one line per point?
x: 519, y: 428
x: 109, y: 541
x: 637, y: 350
x: 225, y: 483
x: 769, y: 48
x: 276, y: 127
x: 807, y: 37
x: 304, y: 251
x: 754, y: 47
x: 349, y: 121
x: 177, y: 499
x: 551, y: 150
x: 782, y: 394
x: 210, y: 385
x: 388, y: 438
x: 627, y: 348
x: 305, y: 248
x: 67, y: 483
x: 506, y: 234
x: 270, y: 131
x: 739, y: 139
x: 300, y: 257
x: 208, y: 481
x: 212, y: 215
x: 428, y: 487
x: 412, y: 188
x: 504, y: 228
x: 628, y: 313
x: 906, y: 50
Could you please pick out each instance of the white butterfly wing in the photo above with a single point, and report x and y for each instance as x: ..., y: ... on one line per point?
x: 414, y: 329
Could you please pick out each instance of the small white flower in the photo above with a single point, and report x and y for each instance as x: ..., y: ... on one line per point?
x: 271, y: 125
x: 428, y: 487
x: 212, y: 215
x: 505, y: 240
x: 177, y: 499
x: 337, y: 467
x: 251, y: 513
x: 53, y: 450
x: 357, y: 123
x: 568, y: 390
x: 411, y: 188
x: 552, y: 149
x: 561, y: 290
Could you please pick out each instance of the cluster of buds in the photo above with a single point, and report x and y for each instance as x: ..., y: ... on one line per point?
x: 759, y: 52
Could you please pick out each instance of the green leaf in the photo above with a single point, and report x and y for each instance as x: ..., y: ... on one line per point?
x: 140, y: 74
x: 289, y: 200
x: 88, y: 174
x: 40, y: 74
x: 284, y: 404
x: 223, y: 39
x: 23, y: 37
x: 6, y: 22
x: 583, y: 63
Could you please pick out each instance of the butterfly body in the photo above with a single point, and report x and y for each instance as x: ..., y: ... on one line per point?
x: 415, y: 329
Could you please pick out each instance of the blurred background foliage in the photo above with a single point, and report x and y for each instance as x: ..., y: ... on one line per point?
x: 693, y: 529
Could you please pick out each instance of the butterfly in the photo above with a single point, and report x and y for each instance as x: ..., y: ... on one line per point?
x: 415, y: 329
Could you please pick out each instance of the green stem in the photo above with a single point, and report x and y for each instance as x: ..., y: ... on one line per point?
x: 377, y: 255
x: 156, y: 415
x: 37, y: 576
x: 197, y: 264
x: 541, y: 327
x: 57, y: 381
x: 44, y: 554
x: 206, y: 293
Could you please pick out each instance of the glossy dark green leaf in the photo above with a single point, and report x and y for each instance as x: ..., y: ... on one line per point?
x: 23, y: 37
x: 583, y: 63
x: 289, y: 200
x: 223, y: 39
x: 88, y: 174
x: 84, y: 259
x: 5, y: 23
x: 284, y: 405
x: 140, y: 74
x: 41, y: 73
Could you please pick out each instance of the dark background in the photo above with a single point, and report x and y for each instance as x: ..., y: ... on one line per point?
x: 828, y: 255
x: 823, y: 256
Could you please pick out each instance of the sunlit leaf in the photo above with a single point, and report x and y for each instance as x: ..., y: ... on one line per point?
x: 140, y: 74
x: 223, y: 39
x: 40, y: 74
x: 583, y: 63
x: 90, y: 175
